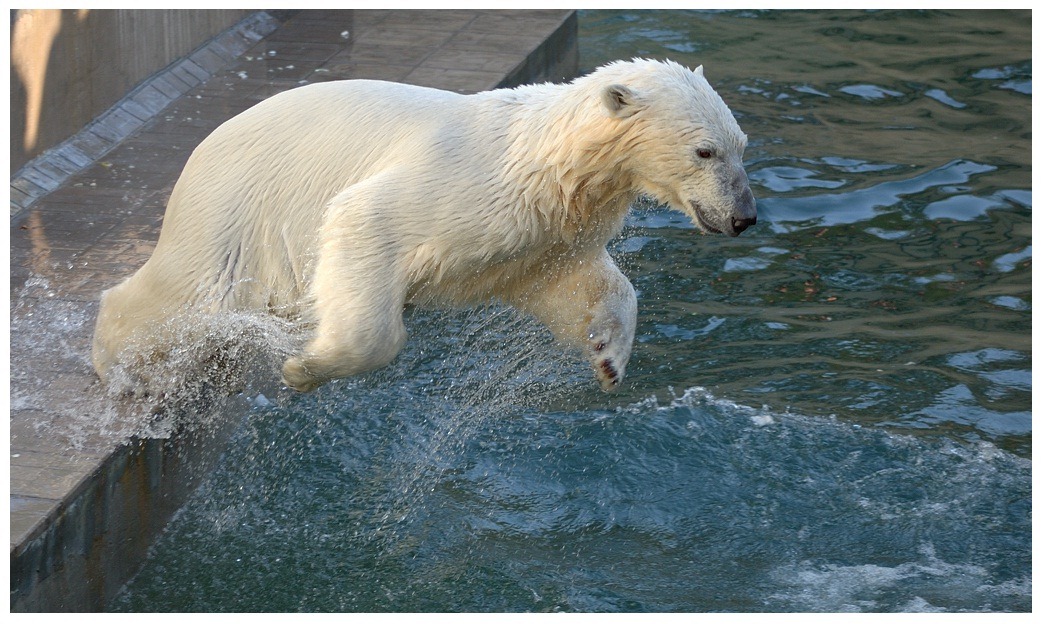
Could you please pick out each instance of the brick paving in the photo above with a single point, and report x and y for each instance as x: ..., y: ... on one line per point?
x: 89, y: 216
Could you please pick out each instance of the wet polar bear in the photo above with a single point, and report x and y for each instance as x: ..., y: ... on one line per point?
x: 336, y: 204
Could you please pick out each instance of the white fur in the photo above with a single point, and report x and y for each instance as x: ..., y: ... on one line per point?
x: 337, y: 203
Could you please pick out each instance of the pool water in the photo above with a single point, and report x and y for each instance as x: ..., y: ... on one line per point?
x: 828, y: 413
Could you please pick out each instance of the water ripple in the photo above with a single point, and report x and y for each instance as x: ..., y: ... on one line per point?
x: 788, y: 214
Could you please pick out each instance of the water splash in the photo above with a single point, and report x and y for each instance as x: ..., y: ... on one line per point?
x: 53, y: 380
x: 51, y: 376
x: 481, y: 366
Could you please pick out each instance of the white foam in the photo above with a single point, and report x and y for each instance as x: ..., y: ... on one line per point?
x: 848, y: 588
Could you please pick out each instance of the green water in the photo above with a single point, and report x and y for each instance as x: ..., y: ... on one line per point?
x: 828, y: 413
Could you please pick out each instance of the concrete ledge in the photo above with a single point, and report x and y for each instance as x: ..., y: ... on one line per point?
x: 97, y: 538
x: 94, y: 479
x: 56, y: 165
x: 557, y: 60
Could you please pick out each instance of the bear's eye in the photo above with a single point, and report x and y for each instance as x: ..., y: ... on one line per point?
x: 704, y: 152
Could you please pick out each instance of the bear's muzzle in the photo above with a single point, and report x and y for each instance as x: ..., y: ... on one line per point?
x: 745, y: 208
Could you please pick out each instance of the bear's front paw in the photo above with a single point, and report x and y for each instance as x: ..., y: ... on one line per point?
x: 296, y: 376
x: 608, y: 360
x: 608, y: 375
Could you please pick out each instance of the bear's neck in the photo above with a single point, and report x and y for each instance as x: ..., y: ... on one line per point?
x: 570, y: 158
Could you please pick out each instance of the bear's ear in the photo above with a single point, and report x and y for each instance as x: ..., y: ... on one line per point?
x: 621, y: 101
x: 698, y: 71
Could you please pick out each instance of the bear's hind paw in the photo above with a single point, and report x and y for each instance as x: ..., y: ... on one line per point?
x: 296, y: 376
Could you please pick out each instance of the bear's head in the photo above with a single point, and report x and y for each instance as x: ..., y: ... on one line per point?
x: 682, y: 144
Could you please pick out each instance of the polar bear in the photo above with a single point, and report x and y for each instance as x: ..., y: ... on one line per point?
x: 338, y: 203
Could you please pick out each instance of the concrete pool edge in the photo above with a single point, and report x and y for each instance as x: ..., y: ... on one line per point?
x: 75, y: 550
x: 56, y: 165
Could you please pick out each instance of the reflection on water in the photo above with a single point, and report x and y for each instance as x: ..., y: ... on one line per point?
x: 829, y: 413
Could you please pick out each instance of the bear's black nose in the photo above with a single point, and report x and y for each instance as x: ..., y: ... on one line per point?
x: 738, y: 225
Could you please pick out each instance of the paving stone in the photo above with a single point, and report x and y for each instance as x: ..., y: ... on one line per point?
x: 18, y: 196
x: 28, y: 514
x: 385, y: 52
x: 117, y: 125
x: 419, y: 36
x: 53, y: 479
x: 459, y: 80
x: 28, y: 187
x: 170, y: 86
x: 208, y: 61
x: 90, y: 144
x: 362, y: 69
x: 42, y: 179
x: 33, y: 430
x: 63, y: 165
x: 305, y: 30
x: 292, y: 51
x: 445, y: 20
x: 468, y: 59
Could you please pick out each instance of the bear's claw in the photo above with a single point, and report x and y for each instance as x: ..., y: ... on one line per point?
x: 607, y: 374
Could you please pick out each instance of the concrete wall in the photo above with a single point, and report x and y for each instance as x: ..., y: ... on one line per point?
x: 101, y: 539
x: 557, y: 60
x: 69, y: 66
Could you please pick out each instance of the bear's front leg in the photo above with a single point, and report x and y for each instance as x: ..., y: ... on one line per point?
x: 592, y: 306
x: 358, y: 298
x: 350, y: 338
